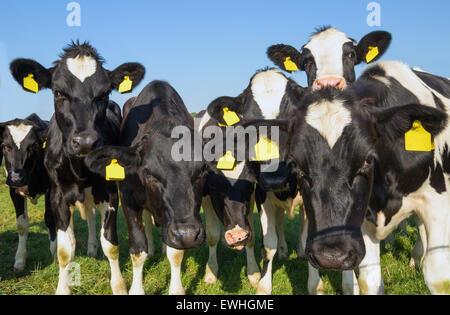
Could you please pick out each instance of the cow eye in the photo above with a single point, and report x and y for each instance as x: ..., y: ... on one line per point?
x: 7, y: 148
x: 60, y: 96
x: 351, y: 55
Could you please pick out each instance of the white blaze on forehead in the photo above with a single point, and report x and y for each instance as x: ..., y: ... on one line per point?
x: 233, y: 175
x: 82, y: 67
x: 268, y: 89
x: 329, y: 119
x: 327, y: 50
x: 18, y: 133
x: 203, y: 121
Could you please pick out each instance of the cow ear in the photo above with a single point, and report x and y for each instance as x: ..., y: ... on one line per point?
x: 394, y: 122
x: 286, y: 57
x: 127, y: 76
x: 99, y: 159
x: 372, y: 46
x: 227, y: 111
x: 31, y: 75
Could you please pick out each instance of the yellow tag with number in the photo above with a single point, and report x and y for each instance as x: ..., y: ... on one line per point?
x: 266, y: 150
x: 230, y: 117
x: 226, y: 162
x: 289, y: 65
x: 126, y: 85
x: 114, y: 171
x: 29, y: 84
x: 418, y: 139
x: 372, y: 53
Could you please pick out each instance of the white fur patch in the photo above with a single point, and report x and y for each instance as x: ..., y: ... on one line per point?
x: 326, y: 48
x: 82, y: 67
x: 268, y: 89
x: 203, y: 121
x: 19, y: 133
x: 329, y: 119
x: 233, y: 175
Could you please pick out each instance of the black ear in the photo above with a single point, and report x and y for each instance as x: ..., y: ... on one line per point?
x: 394, y: 122
x: 372, y: 46
x: 225, y: 104
x: 284, y: 55
x: 23, y: 68
x: 134, y: 71
x: 99, y: 159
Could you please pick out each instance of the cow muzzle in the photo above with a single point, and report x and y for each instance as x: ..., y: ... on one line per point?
x: 83, y: 143
x: 237, y: 237
x: 184, y: 236
x: 337, y: 83
x: 17, y: 179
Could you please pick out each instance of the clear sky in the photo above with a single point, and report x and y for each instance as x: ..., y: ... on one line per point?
x: 204, y: 48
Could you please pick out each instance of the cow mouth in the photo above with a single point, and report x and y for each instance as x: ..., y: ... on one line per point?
x: 23, y: 191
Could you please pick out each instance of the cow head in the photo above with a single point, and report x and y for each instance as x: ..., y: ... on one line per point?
x: 22, y: 146
x: 329, y: 58
x: 81, y: 88
x: 171, y: 190
x: 334, y: 151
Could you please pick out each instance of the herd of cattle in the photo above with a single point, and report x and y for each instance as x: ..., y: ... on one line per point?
x: 343, y: 157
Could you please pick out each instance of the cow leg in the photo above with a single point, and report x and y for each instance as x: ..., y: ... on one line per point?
x: 20, y: 205
x: 419, y: 250
x: 92, y: 238
x: 268, y: 221
x: 303, y: 234
x: 435, y: 215
x: 253, y: 273
x: 315, y: 284
x: 65, y: 247
x: 282, y: 249
x: 212, y: 236
x: 370, y: 280
x: 110, y: 243
x: 175, y: 257
x: 349, y: 283
x: 51, y: 225
x: 148, y: 221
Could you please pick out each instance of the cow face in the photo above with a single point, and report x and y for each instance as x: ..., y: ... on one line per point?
x: 171, y: 190
x: 329, y: 58
x: 81, y: 88
x: 22, y: 141
x: 334, y: 152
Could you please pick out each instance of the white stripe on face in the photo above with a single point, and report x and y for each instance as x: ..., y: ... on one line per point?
x: 233, y: 175
x: 268, y: 89
x: 327, y: 49
x: 82, y: 67
x: 329, y: 119
x: 203, y: 121
x: 19, y: 133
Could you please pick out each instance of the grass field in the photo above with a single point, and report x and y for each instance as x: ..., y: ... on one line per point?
x: 290, y: 277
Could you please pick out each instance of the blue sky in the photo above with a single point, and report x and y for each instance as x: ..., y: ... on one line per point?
x: 204, y: 48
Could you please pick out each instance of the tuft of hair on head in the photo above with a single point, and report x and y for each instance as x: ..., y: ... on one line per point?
x: 321, y: 29
x: 76, y: 48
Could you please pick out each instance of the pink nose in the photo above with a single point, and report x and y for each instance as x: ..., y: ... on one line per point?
x: 338, y: 83
x: 236, y: 236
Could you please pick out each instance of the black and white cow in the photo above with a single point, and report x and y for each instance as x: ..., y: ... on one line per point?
x: 22, y: 142
x: 330, y: 56
x: 348, y: 149
x: 157, y: 184
x: 270, y: 95
x: 84, y: 119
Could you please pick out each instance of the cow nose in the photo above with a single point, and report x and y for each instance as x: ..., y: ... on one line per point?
x: 334, y: 257
x: 236, y: 237
x: 337, y: 83
x: 185, y: 236
x: 83, y: 143
x: 16, y: 179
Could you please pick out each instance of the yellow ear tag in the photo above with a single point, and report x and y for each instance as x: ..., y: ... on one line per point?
x: 289, y: 65
x: 226, y: 162
x: 372, y: 53
x: 230, y: 117
x: 114, y: 171
x: 44, y: 144
x: 418, y: 139
x: 29, y: 84
x: 126, y: 85
x: 265, y: 150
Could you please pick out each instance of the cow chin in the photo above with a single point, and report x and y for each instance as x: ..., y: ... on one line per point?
x: 331, y: 251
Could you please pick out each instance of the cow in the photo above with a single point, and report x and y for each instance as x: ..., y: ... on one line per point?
x: 84, y: 119
x: 157, y: 184
x: 357, y: 138
x: 330, y: 56
x: 22, y: 142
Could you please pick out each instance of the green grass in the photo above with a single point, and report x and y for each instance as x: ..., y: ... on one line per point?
x: 289, y: 277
